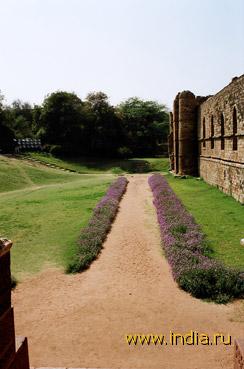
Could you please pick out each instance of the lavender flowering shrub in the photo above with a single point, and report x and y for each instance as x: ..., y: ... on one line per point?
x: 93, y: 235
x: 187, y: 251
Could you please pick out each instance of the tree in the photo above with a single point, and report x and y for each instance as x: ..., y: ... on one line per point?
x: 104, y: 125
x: 36, y: 116
x: 20, y: 119
x: 61, y: 118
x: 6, y: 134
x: 145, y: 125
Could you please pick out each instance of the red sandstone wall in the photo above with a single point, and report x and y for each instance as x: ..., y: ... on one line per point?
x: 228, y: 177
x: 13, y: 353
x: 223, y: 167
x: 239, y: 354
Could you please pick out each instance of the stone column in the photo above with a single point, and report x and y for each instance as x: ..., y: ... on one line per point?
x: 239, y: 354
x: 13, y: 352
x: 187, y: 134
x: 176, y: 133
x: 171, y: 143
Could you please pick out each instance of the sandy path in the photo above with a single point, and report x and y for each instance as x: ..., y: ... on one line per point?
x: 81, y: 320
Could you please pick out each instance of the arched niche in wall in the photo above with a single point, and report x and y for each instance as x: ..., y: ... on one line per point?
x: 204, y: 132
x: 234, y: 122
x: 212, y: 132
x: 222, y: 131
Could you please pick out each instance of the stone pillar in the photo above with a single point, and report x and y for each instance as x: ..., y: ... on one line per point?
x: 239, y: 354
x: 187, y: 134
x: 176, y: 133
x: 171, y: 143
x: 13, y: 353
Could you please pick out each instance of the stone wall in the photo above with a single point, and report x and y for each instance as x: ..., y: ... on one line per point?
x: 13, y: 350
x: 228, y: 177
x: 221, y: 161
x: 239, y: 354
x: 208, y: 137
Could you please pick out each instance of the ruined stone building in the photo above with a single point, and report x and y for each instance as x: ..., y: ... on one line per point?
x: 207, y: 137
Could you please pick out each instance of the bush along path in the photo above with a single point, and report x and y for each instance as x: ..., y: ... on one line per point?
x: 92, y: 237
x: 187, y: 251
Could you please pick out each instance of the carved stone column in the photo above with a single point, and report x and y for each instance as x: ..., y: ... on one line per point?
x: 176, y: 133
x: 171, y: 143
x: 187, y: 133
x: 239, y: 354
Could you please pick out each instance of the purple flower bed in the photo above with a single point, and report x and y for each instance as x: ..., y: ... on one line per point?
x: 93, y: 235
x: 187, y: 251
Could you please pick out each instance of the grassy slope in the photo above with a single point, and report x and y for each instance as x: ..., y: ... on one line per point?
x: 16, y: 174
x: 44, y: 222
x: 220, y: 216
x: 98, y: 165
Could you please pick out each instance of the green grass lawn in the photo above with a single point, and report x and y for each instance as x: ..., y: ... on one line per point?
x: 43, y: 209
x: 42, y: 212
x: 220, y: 216
x: 16, y: 174
x: 158, y: 164
x: 98, y: 165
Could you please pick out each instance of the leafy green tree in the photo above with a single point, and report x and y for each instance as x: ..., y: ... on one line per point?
x: 20, y: 119
x: 36, y: 116
x: 145, y: 125
x: 93, y: 127
x: 6, y: 134
x: 62, y: 119
x: 104, y: 125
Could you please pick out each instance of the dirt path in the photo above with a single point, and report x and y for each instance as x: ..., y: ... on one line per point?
x: 81, y: 320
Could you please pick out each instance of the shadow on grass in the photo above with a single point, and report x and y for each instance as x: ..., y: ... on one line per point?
x: 101, y: 165
x: 113, y: 165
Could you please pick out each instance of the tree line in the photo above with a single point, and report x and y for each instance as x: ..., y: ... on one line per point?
x: 67, y: 125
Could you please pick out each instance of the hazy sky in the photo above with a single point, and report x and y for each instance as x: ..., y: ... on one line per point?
x: 146, y: 48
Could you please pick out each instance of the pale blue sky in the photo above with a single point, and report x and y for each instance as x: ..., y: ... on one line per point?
x: 146, y: 48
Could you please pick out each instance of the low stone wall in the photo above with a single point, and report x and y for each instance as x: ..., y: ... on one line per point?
x: 227, y: 176
x: 13, y: 350
x: 239, y: 354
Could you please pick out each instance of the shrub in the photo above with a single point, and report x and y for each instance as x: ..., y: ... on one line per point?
x: 92, y: 237
x: 219, y: 283
x: 188, y: 252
